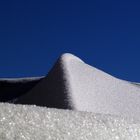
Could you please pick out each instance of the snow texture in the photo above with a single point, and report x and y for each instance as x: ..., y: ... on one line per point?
x: 72, y: 84
x: 96, y: 91
x: 25, y: 122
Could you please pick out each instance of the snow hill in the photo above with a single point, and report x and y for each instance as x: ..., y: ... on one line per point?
x: 73, y: 84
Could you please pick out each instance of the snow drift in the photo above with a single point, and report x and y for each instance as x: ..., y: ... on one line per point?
x: 72, y: 84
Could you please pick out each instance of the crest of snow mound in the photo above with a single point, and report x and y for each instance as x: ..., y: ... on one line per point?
x: 69, y: 57
x: 21, y: 122
x: 53, y: 90
x: 72, y: 84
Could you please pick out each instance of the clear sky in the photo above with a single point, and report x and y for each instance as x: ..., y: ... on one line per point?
x: 104, y: 33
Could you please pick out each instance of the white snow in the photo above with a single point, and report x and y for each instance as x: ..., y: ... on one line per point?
x: 20, y: 80
x: 96, y: 91
x: 69, y: 57
x: 86, y: 88
x: 72, y: 84
x: 21, y: 122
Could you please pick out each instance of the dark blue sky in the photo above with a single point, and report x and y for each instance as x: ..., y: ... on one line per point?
x: 104, y: 33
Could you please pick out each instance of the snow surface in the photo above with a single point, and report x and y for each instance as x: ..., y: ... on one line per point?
x: 25, y: 122
x: 24, y: 79
x: 71, y: 84
x: 96, y: 91
x: 85, y: 88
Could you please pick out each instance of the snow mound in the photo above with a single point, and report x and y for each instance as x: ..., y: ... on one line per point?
x: 72, y: 84
x: 23, y: 122
x: 96, y: 91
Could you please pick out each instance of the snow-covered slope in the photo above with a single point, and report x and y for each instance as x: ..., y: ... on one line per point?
x: 72, y: 84
x: 11, y: 88
x: 95, y: 91
x: 18, y: 122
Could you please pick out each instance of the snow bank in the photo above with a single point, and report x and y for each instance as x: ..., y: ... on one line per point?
x: 72, y: 84
x: 96, y: 91
x: 21, y: 122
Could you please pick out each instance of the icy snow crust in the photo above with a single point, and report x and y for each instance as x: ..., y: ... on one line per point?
x: 24, y: 122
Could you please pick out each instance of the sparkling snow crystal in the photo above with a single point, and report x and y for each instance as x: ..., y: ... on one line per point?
x: 21, y: 122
